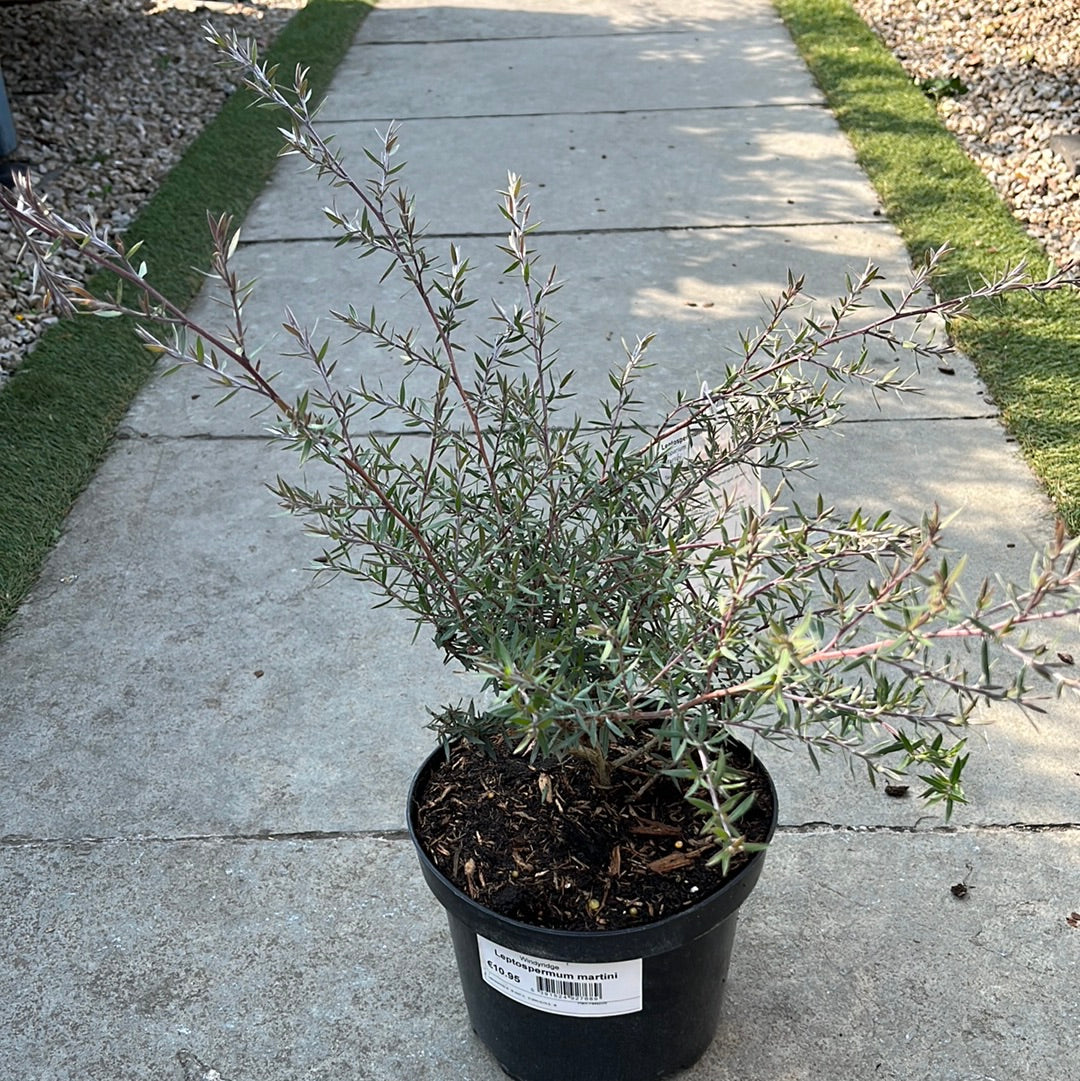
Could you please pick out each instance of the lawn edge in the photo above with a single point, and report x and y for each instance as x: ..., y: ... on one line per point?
x: 59, y: 411
x: 1026, y: 351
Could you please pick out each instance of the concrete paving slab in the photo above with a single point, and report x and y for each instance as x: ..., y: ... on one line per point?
x: 1021, y: 769
x: 176, y: 672
x: 268, y: 960
x: 784, y: 165
x: 405, y: 20
x: 200, y: 860
x: 696, y: 290
x: 855, y: 960
x: 966, y: 465
x: 556, y: 73
x: 327, y: 959
x: 171, y: 729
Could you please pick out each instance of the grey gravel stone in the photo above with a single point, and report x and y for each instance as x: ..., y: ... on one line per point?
x: 1020, y: 63
x: 106, y: 96
x: 1068, y: 148
x: 106, y: 102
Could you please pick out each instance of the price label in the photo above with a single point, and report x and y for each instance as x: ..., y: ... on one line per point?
x: 563, y: 987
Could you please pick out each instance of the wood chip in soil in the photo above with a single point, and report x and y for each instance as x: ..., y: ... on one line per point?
x: 538, y: 842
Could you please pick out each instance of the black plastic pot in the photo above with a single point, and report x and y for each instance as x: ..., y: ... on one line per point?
x: 622, y: 1005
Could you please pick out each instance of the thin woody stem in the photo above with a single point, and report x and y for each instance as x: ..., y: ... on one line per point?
x: 105, y: 257
x: 319, y: 154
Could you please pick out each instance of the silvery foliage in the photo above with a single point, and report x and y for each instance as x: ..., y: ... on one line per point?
x: 608, y: 576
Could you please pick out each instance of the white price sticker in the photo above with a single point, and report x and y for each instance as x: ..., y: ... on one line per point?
x: 565, y: 987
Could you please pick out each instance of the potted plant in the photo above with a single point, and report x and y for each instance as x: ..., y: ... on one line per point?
x: 644, y: 603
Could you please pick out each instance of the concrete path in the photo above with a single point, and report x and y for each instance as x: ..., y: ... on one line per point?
x: 203, y: 759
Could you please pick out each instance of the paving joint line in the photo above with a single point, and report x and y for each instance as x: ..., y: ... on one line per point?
x: 822, y: 828
x: 132, y: 435
x: 536, y: 37
x: 257, y: 837
x: 15, y: 842
x: 617, y: 230
x: 932, y: 418
x: 751, y: 106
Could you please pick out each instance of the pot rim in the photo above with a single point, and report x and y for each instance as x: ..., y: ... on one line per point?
x: 643, y: 939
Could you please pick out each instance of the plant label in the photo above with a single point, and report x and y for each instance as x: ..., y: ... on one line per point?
x: 563, y: 987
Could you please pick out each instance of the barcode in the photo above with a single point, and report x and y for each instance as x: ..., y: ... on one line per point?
x: 578, y: 990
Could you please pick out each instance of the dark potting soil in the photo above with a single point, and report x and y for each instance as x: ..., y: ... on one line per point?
x: 540, y: 843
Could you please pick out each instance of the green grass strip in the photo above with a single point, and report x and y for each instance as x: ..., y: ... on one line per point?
x: 1026, y: 350
x: 59, y: 411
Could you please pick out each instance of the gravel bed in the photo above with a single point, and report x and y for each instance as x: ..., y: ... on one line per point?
x: 1020, y: 63
x: 106, y: 96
